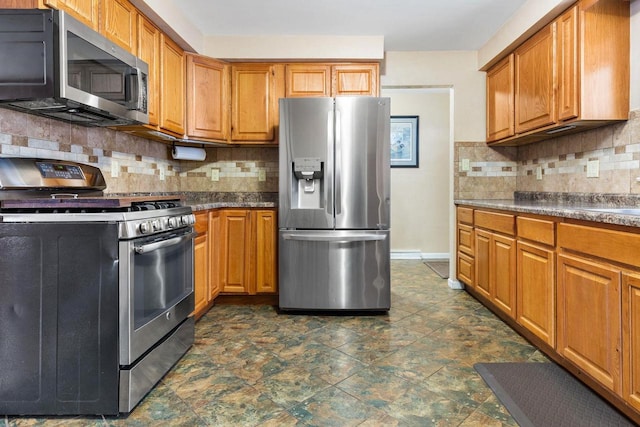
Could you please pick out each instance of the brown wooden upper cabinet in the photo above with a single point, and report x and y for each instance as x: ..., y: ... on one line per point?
x: 148, y: 41
x: 254, y: 102
x: 558, y: 79
x: 118, y: 23
x: 304, y: 80
x: 535, y: 102
x: 500, y: 100
x: 207, y: 98
x: 172, y: 86
x: 85, y: 11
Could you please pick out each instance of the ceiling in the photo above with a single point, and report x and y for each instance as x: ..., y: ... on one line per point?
x: 406, y: 25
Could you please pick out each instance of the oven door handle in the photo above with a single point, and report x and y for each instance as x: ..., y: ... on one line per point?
x: 143, y: 249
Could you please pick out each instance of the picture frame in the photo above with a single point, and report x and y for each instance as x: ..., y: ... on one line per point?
x: 404, y: 142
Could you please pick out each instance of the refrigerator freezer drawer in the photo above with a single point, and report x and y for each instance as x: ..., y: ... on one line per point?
x: 334, y: 270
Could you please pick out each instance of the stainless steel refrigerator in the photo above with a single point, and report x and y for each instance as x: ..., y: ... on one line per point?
x: 334, y: 223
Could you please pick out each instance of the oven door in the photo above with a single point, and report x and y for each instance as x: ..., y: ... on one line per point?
x: 156, y: 290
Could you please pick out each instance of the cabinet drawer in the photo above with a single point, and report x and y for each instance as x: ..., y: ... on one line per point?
x: 465, y: 239
x: 537, y: 230
x: 466, y: 269
x: 499, y: 222
x: 465, y: 215
x: 618, y: 246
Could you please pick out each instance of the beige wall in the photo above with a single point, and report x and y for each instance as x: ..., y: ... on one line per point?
x: 419, y: 196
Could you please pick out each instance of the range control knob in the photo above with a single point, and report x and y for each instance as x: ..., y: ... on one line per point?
x: 155, y: 225
x: 173, y: 222
x: 144, y: 227
x: 184, y: 220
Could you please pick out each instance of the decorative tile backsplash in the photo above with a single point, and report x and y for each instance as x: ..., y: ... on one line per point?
x: 560, y: 163
x: 133, y: 164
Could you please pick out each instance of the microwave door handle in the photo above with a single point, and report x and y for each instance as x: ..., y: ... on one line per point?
x: 134, y: 83
x: 144, y: 249
x: 141, y: 104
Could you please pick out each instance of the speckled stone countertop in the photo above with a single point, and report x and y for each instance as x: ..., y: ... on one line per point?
x: 569, y: 205
x: 211, y: 200
x: 203, y: 200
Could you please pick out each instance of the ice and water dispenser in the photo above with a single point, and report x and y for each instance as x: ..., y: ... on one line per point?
x: 308, y: 184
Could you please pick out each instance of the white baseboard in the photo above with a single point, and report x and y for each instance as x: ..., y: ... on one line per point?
x: 418, y: 255
x: 455, y: 284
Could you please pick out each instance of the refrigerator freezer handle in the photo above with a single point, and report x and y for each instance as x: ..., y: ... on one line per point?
x: 328, y: 176
x: 360, y: 237
x: 338, y: 163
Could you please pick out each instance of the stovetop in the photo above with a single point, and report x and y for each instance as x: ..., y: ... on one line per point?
x: 90, y: 204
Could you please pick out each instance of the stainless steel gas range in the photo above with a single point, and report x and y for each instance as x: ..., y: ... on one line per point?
x: 96, y: 291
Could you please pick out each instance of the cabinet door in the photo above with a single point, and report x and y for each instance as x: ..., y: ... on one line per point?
x: 536, y: 290
x: 254, y: 106
x: 589, y: 318
x: 355, y: 79
x: 535, y: 102
x: 567, y: 60
x: 118, y: 22
x: 482, y: 258
x: 200, y: 274
x: 235, y: 235
x: 631, y: 339
x: 266, y: 256
x: 149, y: 51
x: 502, y: 273
x: 500, y: 98
x: 307, y: 80
x: 201, y: 263
x: 172, y: 86
x: 86, y: 11
x: 215, y: 242
x: 465, y: 267
x: 207, y: 98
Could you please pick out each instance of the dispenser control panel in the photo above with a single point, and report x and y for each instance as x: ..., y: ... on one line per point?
x: 307, y: 168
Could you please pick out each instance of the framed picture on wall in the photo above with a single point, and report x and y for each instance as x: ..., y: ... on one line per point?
x: 404, y: 141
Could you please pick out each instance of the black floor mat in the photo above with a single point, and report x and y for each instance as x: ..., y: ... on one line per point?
x: 544, y: 394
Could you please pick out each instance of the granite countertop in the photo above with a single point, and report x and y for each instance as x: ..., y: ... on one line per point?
x: 204, y: 200
x: 604, y: 208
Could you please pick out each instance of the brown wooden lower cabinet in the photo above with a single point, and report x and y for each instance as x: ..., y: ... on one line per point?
x: 235, y: 252
x: 201, y: 271
x: 495, y: 273
x: 589, y: 318
x: 536, y: 290
x: 631, y: 338
x: 577, y: 292
x: 248, y: 251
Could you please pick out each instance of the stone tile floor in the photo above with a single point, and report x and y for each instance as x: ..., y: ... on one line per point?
x: 251, y: 366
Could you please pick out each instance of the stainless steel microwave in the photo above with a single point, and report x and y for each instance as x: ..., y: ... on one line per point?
x: 55, y: 66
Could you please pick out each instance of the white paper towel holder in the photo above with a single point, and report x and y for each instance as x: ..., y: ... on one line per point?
x: 188, y: 153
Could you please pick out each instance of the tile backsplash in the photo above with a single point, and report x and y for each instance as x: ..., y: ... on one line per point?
x: 136, y: 165
x: 132, y: 164
x: 498, y: 172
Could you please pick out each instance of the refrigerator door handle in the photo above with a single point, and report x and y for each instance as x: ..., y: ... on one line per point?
x: 328, y: 174
x: 338, y: 163
x: 359, y: 237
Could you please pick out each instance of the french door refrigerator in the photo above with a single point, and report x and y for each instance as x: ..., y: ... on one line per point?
x: 334, y: 224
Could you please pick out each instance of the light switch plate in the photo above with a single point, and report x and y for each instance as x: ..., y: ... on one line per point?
x: 115, y: 169
x: 539, y: 173
x: 593, y: 168
x: 262, y: 175
x: 161, y: 174
x: 215, y: 174
x: 465, y: 165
